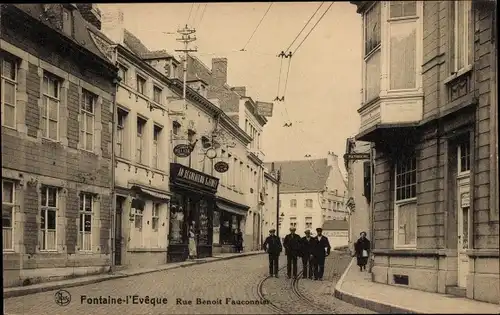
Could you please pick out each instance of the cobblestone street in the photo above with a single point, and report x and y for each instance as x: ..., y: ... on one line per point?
x: 236, y: 279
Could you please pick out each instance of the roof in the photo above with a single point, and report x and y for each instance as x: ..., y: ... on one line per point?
x: 82, y: 30
x: 302, y: 175
x: 335, y: 225
x: 157, y: 54
x: 134, y: 44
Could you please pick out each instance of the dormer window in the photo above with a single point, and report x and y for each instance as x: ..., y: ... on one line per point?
x: 67, y: 22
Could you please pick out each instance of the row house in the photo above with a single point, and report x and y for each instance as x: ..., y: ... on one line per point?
x: 57, y: 89
x: 244, y: 112
x: 271, y: 202
x: 429, y: 109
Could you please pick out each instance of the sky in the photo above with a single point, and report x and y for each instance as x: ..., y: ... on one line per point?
x: 324, y: 81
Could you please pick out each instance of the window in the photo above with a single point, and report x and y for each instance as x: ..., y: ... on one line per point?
x: 85, y: 230
x: 139, y: 143
x: 155, y: 217
x: 141, y: 84
x: 120, y: 129
x: 464, y: 156
x: 309, y: 222
x: 293, y: 222
x: 293, y: 203
x: 176, y: 126
x: 156, y: 137
x: 157, y: 94
x: 372, y: 29
x: 50, y: 108
x: 309, y: 203
x: 138, y: 219
x: 48, y: 215
x: 88, y: 120
x: 461, y: 55
x: 403, y: 8
x: 123, y: 73
x: 8, y: 206
x: 405, y: 221
x: 9, y: 88
x: 67, y: 22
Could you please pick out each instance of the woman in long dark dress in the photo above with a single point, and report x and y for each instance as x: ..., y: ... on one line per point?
x: 362, y: 249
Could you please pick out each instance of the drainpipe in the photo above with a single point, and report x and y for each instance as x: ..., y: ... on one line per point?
x: 113, y: 190
x: 372, y: 200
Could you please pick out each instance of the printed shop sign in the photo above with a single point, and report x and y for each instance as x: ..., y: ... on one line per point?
x: 182, y: 150
x: 221, y: 167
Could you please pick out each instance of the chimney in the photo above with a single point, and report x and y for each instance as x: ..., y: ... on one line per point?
x: 332, y: 159
x: 241, y: 90
x: 219, y: 71
x: 90, y: 13
x: 112, y: 21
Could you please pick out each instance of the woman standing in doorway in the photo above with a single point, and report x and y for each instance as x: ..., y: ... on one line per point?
x: 192, y: 241
x: 362, y: 249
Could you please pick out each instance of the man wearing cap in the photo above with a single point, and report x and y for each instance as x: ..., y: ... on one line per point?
x: 306, y: 248
x: 321, y: 250
x: 272, y: 245
x: 292, y: 250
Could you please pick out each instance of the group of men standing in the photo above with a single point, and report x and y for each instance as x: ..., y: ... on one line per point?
x: 313, y: 251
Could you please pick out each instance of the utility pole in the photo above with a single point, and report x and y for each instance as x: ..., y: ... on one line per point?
x: 187, y: 36
x: 278, y: 177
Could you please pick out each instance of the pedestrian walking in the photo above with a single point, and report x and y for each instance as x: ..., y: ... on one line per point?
x: 192, y: 242
x: 238, y: 241
x: 321, y: 251
x: 292, y: 251
x: 306, y: 250
x: 362, y: 251
x: 272, y: 245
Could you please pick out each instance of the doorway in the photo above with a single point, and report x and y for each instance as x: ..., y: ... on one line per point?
x: 118, y: 229
x: 463, y: 211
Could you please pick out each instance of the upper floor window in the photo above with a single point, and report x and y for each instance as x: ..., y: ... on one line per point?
x: 293, y: 222
x: 123, y: 73
x: 120, y: 130
x: 155, y: 217
x: 464, y: 156
x: 176, y: 126
x: 309, y: 222
x: 461, y: 52
x: 139, y: 143
x: 87, y: 120
x: 293, y: 203
x: 67, y: 22
x: 156, y: 137
x: 8, y: 89
x: 372, y: 28
x: 309, y: 203
x: 403, y: 8
x: 8, y: 205
x: 157, y: 94
x: 406, y: 179
x: 50, y: 107
x: 140, y: 84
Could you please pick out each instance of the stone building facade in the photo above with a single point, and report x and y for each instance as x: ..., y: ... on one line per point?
x: 57, y: 104
x: 429, y: 109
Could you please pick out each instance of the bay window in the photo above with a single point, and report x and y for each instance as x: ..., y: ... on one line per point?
x: 8, y: 90
x: 48, y: 218
x: 405, y: 208
x: 461, y: 48
x: 372, y: 41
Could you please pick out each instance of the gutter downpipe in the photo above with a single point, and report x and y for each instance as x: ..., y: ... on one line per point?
x: 113, y: 184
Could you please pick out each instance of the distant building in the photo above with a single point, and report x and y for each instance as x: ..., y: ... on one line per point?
x: 270, y: 197
x: 337, y: 232
x: 430, y: 109
x: 311, y: 192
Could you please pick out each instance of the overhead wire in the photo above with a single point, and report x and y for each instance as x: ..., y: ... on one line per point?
x: 190, y: 12
x: 255, y: 30
x: 310, y: 31
x: 202, y: 15
x: 305, y: 25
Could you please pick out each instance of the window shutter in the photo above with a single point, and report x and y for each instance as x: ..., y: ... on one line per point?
x: 367, y: 180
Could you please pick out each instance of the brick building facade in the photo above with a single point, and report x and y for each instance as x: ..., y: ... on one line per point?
x: 429, y: 73
x: 57, y: 104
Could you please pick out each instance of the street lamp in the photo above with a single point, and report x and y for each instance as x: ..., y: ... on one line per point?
x: 282, y: 216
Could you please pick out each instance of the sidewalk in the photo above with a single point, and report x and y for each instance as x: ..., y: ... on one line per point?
x: 356, y: 287
x: 55, y: 285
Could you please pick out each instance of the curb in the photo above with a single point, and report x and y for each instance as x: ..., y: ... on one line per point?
x: 373, y: 305
x: 21, y: 291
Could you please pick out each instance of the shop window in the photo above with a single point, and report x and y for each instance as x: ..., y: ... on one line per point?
x: 8, y: 210
x: 405, y: 209
x: 216, y: 227
x: 8, y: 90
x: 48, y: 218
x: 177, y: 226
x: 85, y: 230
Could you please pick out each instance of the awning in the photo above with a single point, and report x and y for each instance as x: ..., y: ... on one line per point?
x: 230, y: 209
x: 153, y: 193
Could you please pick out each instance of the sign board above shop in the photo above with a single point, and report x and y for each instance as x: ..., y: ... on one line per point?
x: 264, y: 109
x: 180, y: 174
x: 357, y: 156
x: 182, y: 150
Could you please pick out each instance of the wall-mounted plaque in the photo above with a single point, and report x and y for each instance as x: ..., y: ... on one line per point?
x: 182, y: 150
x: 221, y: 167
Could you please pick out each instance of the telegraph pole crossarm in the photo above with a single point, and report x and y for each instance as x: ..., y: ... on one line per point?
x: 187, y: 36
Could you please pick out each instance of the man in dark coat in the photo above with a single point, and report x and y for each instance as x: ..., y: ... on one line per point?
x: 321, y: 251
x: 306, y: 249
x: 272, y: 245
x: 292, y: 251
